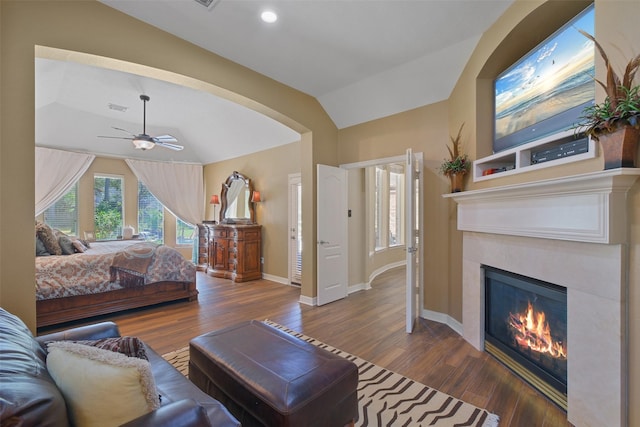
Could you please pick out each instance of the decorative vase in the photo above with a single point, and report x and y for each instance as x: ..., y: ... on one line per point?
x: 456, y: 182
x: 620, y: 148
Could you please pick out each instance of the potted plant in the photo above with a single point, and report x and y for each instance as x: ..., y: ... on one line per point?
x: 615, y: 121
x: 458, y: 165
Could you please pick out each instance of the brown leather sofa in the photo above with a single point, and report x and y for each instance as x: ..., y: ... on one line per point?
x: 29, y: 396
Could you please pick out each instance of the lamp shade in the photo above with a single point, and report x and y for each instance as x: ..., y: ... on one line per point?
x: 215, y: 200
x: 255, y: 197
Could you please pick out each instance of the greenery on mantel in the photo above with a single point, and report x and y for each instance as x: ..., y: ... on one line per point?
x: 458, y: 163
x: 621, y: 106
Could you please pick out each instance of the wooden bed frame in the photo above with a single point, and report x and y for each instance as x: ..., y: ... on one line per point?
x: 59, y: 310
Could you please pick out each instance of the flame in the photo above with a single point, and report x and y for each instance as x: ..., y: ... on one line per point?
x: 532, y: 330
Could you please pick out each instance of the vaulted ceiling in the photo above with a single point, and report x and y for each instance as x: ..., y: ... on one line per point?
x: 362, y: 60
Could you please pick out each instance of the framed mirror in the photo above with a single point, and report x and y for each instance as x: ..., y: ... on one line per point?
x: 235, y: 200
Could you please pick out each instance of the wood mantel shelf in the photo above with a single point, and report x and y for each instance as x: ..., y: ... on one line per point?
x: 588, y: 207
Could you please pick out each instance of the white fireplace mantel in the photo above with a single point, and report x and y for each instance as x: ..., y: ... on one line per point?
x: 573, y: 232
x: 582, y: 208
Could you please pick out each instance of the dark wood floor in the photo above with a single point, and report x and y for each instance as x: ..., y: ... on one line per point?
x: 369, y: 324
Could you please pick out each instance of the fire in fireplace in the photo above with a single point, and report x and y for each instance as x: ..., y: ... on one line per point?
x: 531, y: 331
x: 526, y: 329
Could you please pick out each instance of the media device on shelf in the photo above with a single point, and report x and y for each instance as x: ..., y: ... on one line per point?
x: 546, y: 91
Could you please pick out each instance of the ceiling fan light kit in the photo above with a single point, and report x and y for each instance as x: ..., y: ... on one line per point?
x: 144, y: 141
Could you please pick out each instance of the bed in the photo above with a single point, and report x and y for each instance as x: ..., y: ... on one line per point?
x: 109, y: 277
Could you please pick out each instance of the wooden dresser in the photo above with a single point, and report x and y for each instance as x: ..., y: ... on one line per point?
x: 203, y: 247
x: 234, y: 251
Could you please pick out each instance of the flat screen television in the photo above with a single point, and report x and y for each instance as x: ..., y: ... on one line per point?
x: 545, y: 92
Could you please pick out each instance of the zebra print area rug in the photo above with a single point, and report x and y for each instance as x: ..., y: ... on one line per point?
x: 387, y: 398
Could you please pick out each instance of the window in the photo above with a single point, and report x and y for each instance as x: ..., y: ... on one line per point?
x: 108, y: 206
x: 184, y: 233
x: 396, y: 219
x: 388, y: 209
x: 150, y: 215
x: 63, y: 214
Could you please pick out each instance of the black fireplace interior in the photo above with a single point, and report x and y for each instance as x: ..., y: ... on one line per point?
x: 527, y: 320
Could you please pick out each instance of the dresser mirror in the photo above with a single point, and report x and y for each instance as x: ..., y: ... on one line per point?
x: 235, y: 200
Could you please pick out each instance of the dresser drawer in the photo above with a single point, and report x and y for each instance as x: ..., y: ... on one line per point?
x: 251, y: 235
x: 220, y: 232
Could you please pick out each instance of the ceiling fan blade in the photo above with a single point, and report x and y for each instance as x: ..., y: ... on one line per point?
x: 115, y: 137
x: 169, y: 146
x: 165, y: 138
x: 124, y: 130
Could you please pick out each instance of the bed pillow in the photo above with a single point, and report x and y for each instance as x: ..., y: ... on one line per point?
x: 40, y: 249
x: 48, y: 238
x: 78, y: 246
x: 66, y: 244
x: 101, y: 387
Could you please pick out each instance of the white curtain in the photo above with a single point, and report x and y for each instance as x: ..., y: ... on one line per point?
x: 56, y: 172
x: 178, y: 186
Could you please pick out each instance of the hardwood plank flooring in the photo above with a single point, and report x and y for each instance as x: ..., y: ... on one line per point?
x: 369, y: 324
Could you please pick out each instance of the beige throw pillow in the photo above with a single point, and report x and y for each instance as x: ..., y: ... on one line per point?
x: 101, y: 387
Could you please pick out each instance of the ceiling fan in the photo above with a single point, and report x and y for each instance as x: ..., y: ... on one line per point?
x: 146, y: 142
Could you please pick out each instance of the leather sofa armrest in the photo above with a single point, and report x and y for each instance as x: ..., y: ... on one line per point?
x: 89, y: 332
x: 183, y: 413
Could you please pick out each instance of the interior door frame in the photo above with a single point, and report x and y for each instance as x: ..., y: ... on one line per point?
x: 412, y: 174
x: 419, y: 158
x: 294, y: 179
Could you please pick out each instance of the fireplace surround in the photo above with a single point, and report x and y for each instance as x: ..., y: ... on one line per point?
x: 570, y: 231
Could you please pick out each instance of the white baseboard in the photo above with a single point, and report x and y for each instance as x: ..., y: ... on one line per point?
x: 314, y: 301
x: 358, y: 287
x: 384, y: 268
x: 277, y: 279
x: 443, y: 318
x: 308, y: 300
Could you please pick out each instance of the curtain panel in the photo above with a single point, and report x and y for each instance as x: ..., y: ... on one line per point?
x: 178, y: 186
x: 56, y: 172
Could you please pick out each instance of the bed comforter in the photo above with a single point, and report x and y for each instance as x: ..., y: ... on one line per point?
x: 91, y: 272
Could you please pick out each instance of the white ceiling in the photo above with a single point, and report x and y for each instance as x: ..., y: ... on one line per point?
x: 72, y: 110
x: 362, y: 60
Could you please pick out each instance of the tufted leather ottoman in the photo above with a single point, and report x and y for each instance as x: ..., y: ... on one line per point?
x: 266, y: 377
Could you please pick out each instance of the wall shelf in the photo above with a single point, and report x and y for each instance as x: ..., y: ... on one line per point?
x: 564, y: 147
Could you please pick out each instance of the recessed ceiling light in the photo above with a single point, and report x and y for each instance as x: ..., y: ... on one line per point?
x: 269, y: 16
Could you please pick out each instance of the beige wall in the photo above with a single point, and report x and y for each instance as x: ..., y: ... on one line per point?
x: 269, y: 171
x: 87, y: 27
x: 358, y: 250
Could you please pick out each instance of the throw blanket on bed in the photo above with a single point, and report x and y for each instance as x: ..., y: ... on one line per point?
x: 131, y: 264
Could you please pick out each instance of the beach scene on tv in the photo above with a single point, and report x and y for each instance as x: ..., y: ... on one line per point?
x: 556, y: 76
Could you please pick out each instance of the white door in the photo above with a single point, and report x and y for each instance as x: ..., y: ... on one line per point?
x: 332, y: 234
x: 411, y: 240
x: 295, y: 229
